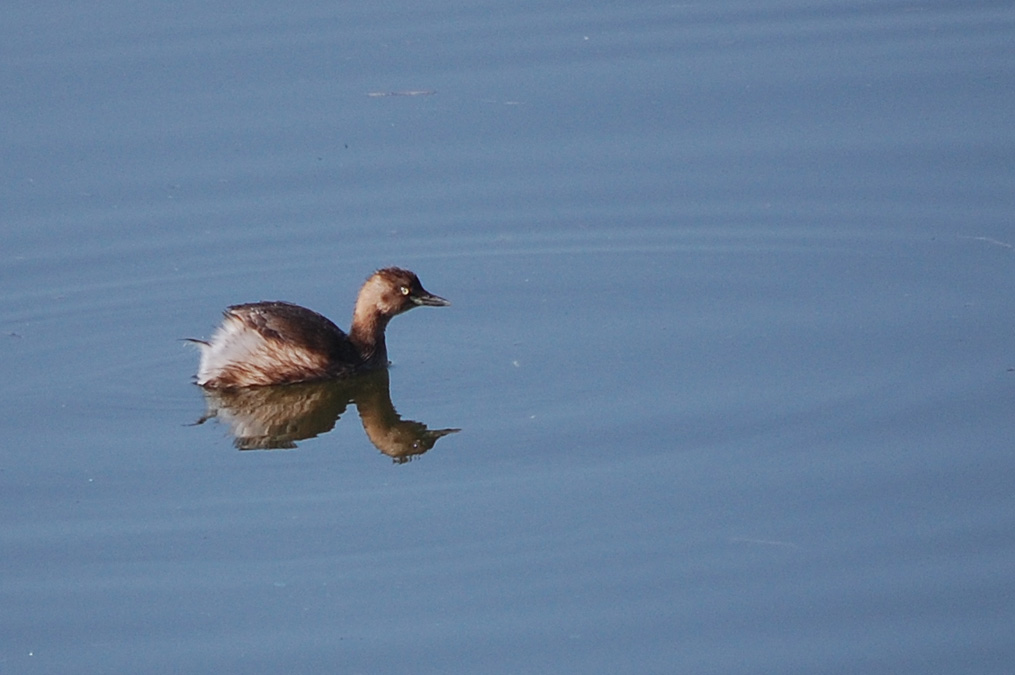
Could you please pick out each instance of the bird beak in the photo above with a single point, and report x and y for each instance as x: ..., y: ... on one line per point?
x: 430, y: 300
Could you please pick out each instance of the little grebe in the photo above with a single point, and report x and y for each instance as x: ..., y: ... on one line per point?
x: 265, y: 343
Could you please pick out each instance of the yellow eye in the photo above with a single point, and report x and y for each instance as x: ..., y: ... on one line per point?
x: 404, y: 290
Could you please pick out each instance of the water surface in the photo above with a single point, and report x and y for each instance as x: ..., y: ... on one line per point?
x: 730, y: 348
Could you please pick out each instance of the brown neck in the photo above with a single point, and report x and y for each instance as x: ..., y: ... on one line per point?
x: 367, y: 335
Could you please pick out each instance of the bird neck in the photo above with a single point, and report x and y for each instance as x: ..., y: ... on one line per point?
x: 367, y: 335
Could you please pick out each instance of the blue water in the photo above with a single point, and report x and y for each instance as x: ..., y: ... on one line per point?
x: 730, y: 348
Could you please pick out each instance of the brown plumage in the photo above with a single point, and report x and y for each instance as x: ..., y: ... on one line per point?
x: 265, y: 343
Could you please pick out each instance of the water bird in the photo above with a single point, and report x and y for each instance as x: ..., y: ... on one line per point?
x: 268, y: 343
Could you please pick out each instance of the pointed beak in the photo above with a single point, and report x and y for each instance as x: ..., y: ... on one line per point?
x: 430, y: 300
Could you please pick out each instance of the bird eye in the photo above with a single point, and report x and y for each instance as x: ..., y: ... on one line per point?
x: 404, y: 290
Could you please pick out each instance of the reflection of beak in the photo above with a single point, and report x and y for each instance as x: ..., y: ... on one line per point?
x: 430, y: 300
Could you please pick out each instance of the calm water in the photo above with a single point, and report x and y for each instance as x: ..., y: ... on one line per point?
x: 731, y: 352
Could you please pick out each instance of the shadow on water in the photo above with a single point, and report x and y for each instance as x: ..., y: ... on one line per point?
x: 267, y: 418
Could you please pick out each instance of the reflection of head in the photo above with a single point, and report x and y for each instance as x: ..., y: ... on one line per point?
x: 399, y: 439
x: 276, y: 417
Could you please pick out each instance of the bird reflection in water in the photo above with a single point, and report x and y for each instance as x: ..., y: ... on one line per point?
x: 264, y: 418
